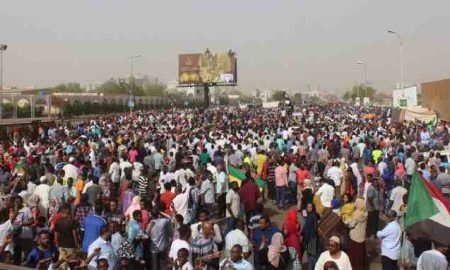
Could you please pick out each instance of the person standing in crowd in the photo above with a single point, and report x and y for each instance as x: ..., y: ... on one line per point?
x: 43, y: 192
x: 106, y: 249
x: 159, y: 231
x: 334, y: 254
x: 233, y: 206
x: 390, y: 242
x: 91, y: 226
x: 291, y: 229
x: 435, y: 259
x: 325, y: 193
x: 238, y: 237
x: 310, y: 238
x: 373, y: 206
x: 281, y: 183
x: 277, y: 253
x: 335, y: 174
x: 66, y: 233
x: 262, y: 238
x: 357, y: 223
x: 204, y: 248
x: 180, y: 243
x: 250, y: 194
x: 396, y: 198
x: 43, y: 254
x: 236, y: 260
x: 221, y: 190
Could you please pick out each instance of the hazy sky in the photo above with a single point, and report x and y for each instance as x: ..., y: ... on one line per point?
x: 278, y: 43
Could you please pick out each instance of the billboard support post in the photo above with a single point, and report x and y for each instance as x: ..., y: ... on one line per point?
x: 206, y: 97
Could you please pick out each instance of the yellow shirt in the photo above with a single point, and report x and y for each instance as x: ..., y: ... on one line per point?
x: 260, y: 160
x: 346, y: 211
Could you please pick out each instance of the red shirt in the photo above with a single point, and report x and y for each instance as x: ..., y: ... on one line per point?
x: 166, y: 199
x: 249, y: 195
x: 301, y: 176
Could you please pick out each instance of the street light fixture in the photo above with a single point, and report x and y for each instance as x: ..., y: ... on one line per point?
x: 401, y: 55
x: 132, y: 58
x: 3, y: 48
x: 365, y: 75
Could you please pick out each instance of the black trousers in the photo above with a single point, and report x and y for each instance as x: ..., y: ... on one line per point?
x: 373, y: 218
x: 221, y: 203
x: 388, y: 264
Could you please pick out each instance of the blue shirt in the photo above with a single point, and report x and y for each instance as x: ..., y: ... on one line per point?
x: 91, y: 226
x: 37, y: 254
x: 258, y: 235
x: 133, y: 230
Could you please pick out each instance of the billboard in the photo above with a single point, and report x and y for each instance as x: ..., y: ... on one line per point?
x: 211, y: 68
x: 404, y: 98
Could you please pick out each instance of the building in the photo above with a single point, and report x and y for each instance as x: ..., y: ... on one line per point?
x: 436, y: 97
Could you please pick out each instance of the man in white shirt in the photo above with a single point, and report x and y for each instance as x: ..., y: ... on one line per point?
x: 326, y: 193
x: 106, y: 249
x: 123, y: 164
x: 43, y: 192
x: 70, y: 170
x: 114, y: 171
x: 410, y: 166
x: 221, y: 189
x: 182, y: 242
x: 396, y: 198
x: 390, y: 241
x: 233, y: 203
x: 433, y: 259
x: 335, y: 174
x: 237, y: 237
x: 180, y: 203
x: 334, y: 254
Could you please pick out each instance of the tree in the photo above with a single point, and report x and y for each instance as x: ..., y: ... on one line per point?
x: 71, y: 87
x: 360, y: 91
x: 154, y: 89
x: 113, y: 87
x: 279, y: 95
x: 296, y: 98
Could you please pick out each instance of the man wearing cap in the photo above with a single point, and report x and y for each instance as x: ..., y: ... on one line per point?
x: 390, y: 242
x: 334, y: 254
x: 43, y: 192
x: 70, y: 170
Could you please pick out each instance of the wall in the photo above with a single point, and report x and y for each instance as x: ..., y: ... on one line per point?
x: 436, y: 96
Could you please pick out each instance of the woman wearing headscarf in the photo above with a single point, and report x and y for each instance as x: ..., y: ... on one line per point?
x: 33, y: 203
x: 307, y: 193
x: 309, y: 233
x: 291, y: 229
x: 277, y: 254
x: 135, y: 205
x: 53, y: 207
x: 357, y: 174
x: 356, y: 245
x: 400, y: 170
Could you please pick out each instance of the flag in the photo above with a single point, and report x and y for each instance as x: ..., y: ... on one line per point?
x: 428, y: 212
x: 236, y: 175
x: 432, y: 123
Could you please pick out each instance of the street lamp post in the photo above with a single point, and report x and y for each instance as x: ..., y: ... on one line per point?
x: 3, y: 48
x: 132, y: 58
x: 365, y: 75
x: 401, y: 56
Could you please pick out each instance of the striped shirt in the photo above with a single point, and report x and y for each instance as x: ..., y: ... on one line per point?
x: 202, y: 246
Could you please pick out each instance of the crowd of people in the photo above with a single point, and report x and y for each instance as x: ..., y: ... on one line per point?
x: 153, y: 190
